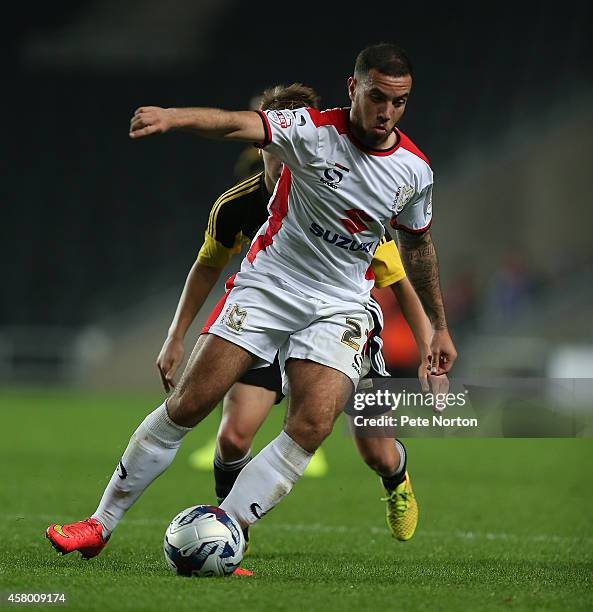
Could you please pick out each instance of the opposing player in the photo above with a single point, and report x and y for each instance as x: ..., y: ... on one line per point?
x: 303, y: 287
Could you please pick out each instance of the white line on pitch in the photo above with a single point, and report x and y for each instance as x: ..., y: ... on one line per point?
x: 319, y: 528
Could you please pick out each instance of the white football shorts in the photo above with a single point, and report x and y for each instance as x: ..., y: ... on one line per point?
x: 265, y: 316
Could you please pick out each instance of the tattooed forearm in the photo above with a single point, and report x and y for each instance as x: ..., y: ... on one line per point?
x: 420, y: 261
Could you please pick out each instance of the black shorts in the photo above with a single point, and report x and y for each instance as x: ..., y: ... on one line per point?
x: 372, y: 373
x: 267, y: 378
x: 270, y: 378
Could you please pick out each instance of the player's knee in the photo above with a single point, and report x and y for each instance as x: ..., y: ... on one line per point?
x: 233, y: 443
x: 309, y: 434
x: 186, y: 408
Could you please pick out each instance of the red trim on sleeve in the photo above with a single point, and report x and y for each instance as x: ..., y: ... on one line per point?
x: 395, y: 225
x: 220, y: 305
x: 278, y: 210
x: 408, y: 145
x: 267, y: 130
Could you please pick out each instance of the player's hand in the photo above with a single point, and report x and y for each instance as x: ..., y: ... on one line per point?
x: 423, y: 370
x: 149, y: 120
x: 168, y: 361
x: 439, y: 385
x: 443, y: 353
x: 432, y: 383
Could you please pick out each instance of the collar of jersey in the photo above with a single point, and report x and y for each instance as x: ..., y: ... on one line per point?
x: 368, y: 150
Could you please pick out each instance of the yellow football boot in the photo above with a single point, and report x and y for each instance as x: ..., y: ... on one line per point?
x: 402, y: 510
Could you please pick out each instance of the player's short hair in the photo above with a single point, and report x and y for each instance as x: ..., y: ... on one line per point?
x: 295, y: 95
x: 387, y: 58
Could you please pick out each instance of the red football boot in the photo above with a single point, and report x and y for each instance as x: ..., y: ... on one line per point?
x: 84, y: 536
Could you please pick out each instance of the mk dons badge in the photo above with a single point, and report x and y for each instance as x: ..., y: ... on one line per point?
x: 235, y: 317
x: 402, y: 197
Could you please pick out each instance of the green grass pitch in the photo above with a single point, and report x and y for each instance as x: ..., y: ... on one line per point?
x: 504, y: 524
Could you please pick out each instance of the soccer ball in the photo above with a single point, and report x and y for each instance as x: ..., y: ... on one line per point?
x: 203, y: 541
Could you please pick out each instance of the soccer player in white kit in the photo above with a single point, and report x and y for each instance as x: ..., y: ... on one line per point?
x: 302, y: 288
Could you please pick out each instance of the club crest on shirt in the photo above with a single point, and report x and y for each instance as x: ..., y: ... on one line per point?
x: 281, y: 118
x: 235, y: 317
x: 402, y: 197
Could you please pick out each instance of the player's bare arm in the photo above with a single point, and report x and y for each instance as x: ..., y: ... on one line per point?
x: 420, y: 261
x: 418, y: 323
x: 214, y: 123
x: 198, y: 286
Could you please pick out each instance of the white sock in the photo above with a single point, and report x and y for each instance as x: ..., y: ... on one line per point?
x: 266, y: 479
x: 150, y: 451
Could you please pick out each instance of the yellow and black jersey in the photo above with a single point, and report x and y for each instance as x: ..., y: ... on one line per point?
x: 387, y: 264
x: 388, y: 268
x: 240, y: 211
x: 234, y: 220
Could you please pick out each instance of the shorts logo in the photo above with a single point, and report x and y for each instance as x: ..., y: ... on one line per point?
x: 357, y: 363
x: 284, y: 120
x: 402, y: 197
x: 235, y: 317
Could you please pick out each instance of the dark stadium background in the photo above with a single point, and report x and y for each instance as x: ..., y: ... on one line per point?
x: 98, y: 232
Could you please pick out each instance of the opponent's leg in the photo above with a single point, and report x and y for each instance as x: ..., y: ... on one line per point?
x: 385, y: 456
x: 388, y: 458
x: 245, y: 408
x: 317, y: 396
x: 215, y: 364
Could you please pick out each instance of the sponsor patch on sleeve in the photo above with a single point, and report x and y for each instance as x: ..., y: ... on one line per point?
x: 281, y: 118
x: 402, y: 196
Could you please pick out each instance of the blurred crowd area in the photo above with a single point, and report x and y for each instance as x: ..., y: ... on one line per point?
x: 96, y: 228
x: 510, y: 302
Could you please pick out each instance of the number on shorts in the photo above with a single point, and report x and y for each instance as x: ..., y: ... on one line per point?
x: 354, y: 333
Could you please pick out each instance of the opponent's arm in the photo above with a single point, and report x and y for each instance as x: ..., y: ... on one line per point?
x: 420, y: 261
x: 198, y: 285
x: 246, y: 126
x: 418, y: 323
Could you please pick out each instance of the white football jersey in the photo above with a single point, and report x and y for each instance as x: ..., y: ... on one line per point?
x: 327, y: 212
